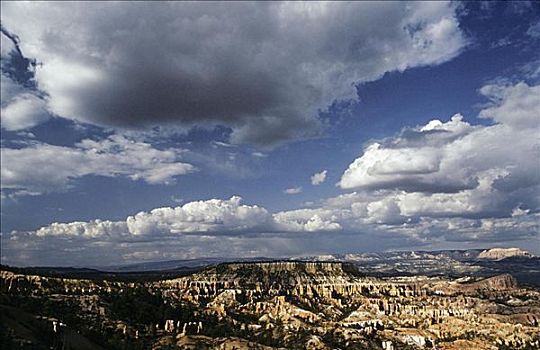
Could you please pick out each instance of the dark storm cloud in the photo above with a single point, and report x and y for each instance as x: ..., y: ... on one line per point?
x: 262, y: 69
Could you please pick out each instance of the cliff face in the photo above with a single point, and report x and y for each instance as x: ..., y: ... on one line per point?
x: 270, y: 275
x: 312, y: 280
x: 283, y: 273
x: 297, y: 267
x: 501, y: 282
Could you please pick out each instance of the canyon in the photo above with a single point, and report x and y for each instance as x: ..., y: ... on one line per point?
x: 268, y: 305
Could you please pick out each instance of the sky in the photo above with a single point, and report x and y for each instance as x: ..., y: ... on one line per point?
x: 149, y: 131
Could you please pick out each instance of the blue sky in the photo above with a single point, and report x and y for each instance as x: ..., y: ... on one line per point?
x: 138, y: 131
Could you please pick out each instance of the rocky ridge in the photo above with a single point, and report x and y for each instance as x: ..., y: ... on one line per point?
x: 502, y: 253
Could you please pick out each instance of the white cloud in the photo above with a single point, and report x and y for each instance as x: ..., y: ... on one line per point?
x: 307, y: 220
x: 223, y: 144
x: 96, y: 229
x: 243, y: 65
x: 523, y: 228
x: 385, y: 211
x: 316, y: 224
x: 41, y: 167
x: 293, y: 190
x: 318, y: 178
x: 210, y: 217
x: 402, y: 193
x: 514, y: 106
x: 24, y: 111
x: 448, y: 170
x: 418, y: 160
x: 214, y: 215
x: 20, y: 108
x: 259, y: 154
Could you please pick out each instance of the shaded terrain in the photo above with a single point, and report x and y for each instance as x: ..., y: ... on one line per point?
x: 262, y: 305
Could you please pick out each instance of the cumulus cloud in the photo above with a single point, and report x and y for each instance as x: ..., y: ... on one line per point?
x: 293, y: 190
x: 438, y: 183
x: 307, y: 220
x: 411, y: 183
x: 417, y: 160
x: 454, y: 172
x: 385, y: 211
x: 214, y: 215
x: 215, y: 227
x: 262, y: 69
x: 40, y: 167
x: 209, y: 217
x: 318, y: 178
x: 96, y: 229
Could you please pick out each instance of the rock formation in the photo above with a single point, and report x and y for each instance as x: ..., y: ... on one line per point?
x: 501, y: 253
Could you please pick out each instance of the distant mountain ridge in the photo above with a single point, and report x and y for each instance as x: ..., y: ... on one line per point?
x: 456, y: 254
x: 524, y: 266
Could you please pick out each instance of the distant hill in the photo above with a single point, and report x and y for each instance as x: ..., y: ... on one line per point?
x: 502, y: 253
